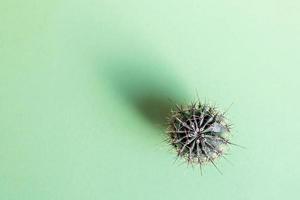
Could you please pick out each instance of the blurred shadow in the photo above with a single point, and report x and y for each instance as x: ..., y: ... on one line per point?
x: 150, y: 87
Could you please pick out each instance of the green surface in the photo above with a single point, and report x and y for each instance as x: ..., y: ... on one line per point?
x: 81, y: 81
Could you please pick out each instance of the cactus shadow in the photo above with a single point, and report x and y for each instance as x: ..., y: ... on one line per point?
x: 151, y: 88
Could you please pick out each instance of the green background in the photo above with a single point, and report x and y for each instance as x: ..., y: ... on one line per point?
x: 84, y: 86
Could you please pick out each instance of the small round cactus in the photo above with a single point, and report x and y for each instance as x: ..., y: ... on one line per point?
x: 198, y: 132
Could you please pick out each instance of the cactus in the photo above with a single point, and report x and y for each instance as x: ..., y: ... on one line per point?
x: 198, y: 132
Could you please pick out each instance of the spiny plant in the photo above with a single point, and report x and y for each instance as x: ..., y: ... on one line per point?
x: 199, y: 133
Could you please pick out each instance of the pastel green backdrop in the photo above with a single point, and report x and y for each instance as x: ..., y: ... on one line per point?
x: 84, y: 85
